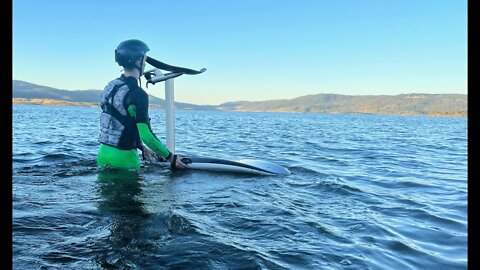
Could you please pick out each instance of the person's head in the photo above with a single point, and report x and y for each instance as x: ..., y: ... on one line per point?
x: 131, y: 55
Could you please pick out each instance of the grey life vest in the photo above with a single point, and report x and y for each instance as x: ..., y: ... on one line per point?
x: 117, y: 127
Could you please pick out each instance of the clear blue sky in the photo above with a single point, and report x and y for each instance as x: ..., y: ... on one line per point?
x: 252, y: 49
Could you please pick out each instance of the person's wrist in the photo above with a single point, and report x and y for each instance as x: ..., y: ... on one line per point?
x: 170, y: 157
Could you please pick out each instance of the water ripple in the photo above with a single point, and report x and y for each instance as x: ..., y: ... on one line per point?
x: 366, y: 192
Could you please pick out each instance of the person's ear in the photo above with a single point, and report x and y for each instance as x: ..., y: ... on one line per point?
x: 142, y: 62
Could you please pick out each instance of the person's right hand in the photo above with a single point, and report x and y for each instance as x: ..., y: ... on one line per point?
x: 178, y: 162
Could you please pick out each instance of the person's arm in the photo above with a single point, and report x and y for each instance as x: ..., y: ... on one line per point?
x: 140, y: 110
x: 151, y: 140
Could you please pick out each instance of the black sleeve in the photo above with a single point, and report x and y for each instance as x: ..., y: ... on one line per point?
x: 140, y: 100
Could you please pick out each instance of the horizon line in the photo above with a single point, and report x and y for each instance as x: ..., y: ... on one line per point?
x: 324, y: 93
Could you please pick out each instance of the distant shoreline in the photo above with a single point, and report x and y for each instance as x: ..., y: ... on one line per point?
x: 402, y: 104
x: 56, y: 102
x: 52, y: 102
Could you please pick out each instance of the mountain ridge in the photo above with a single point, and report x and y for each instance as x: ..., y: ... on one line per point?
x: 404, y: 104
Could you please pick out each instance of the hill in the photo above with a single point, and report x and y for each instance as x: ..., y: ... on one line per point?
x: 25, y: 92
x: 403, y: 104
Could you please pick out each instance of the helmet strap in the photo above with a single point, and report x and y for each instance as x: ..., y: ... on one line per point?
x: 140, y: 68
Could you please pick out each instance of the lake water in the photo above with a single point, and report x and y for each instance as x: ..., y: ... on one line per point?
x: 366, y: 192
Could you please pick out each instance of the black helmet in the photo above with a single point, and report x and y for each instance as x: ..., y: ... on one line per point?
x: 129, y: 51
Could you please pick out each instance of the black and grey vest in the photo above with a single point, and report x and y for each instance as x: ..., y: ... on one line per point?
x: 117, y: 128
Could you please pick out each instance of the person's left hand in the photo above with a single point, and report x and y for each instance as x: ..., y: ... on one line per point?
x: 151, y: 156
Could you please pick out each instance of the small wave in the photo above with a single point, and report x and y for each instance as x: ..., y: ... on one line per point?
x: 60, y: 258
x: 32, y: 169
x: 75, y: 172
x: 415, y: 256
x: 178, y: 224
x: 330, y: 232
x: 411, y: 183
x: 30, y: 229
x: 28, y: 158
x: 305, y: 170
x: 62, y: 168
x: 57, y: 157
x: 339, y: 187
x: 420, y: 215
x: 227, y: 204
x: 294, y: 258
x: 41, y: 158
x: 42, y: 143
x: 76, y: 168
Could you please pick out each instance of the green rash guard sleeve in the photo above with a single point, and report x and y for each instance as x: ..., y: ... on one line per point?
x: 148, y: 137
x: 151, y: 141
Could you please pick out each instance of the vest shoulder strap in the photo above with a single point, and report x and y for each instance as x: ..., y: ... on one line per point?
x: 108, y: 107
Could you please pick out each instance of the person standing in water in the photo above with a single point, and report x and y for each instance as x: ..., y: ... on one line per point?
x: 124, y: 121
